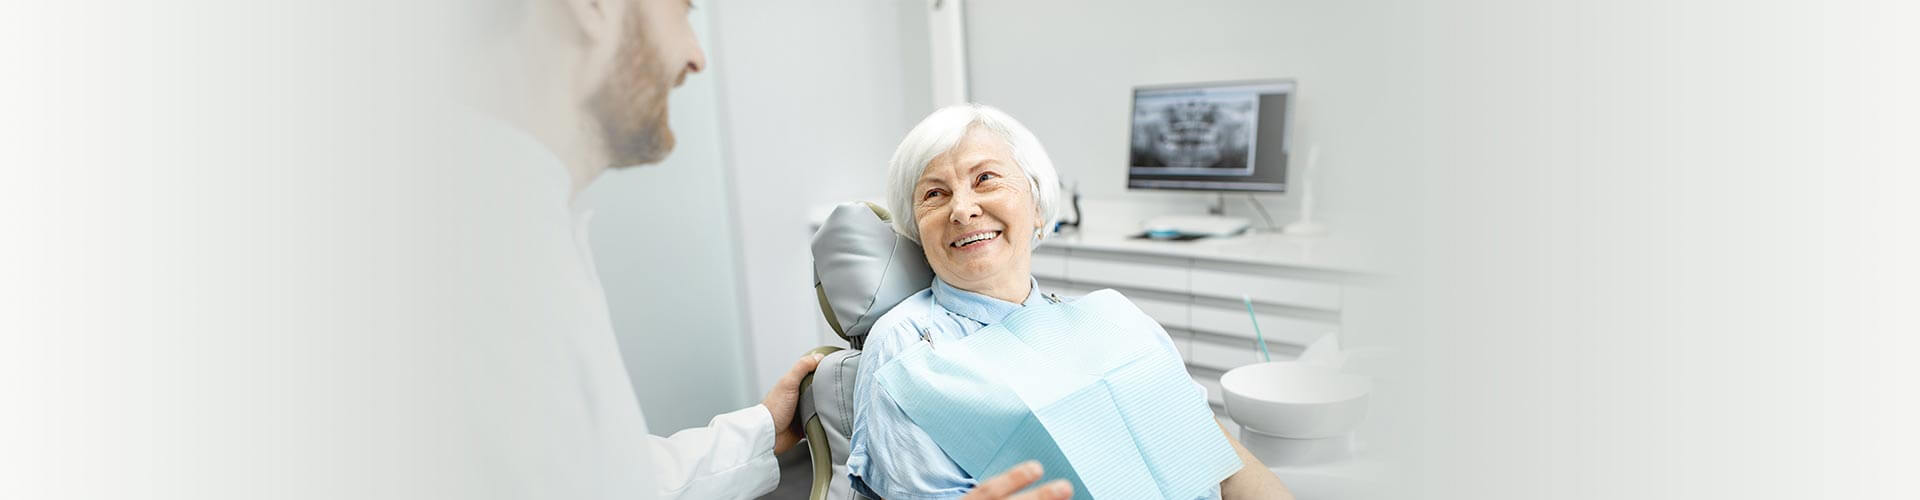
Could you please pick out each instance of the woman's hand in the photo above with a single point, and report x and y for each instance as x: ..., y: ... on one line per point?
x: 1004, y: 486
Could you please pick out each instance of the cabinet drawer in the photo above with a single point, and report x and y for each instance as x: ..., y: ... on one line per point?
x: 1170, y: 314
x: 1103, y: 270
x: 1278, y: 329
x: 1267, y: 288
x: 1216, y: 355
x: 1049, y: 265
x: 1059, y: 286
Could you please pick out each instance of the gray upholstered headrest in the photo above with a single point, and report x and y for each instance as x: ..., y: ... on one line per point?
x: 861, y: 268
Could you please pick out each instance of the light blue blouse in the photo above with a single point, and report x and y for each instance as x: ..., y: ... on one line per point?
x: 891, y: 457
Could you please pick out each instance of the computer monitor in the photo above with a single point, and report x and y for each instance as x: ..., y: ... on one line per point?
x: 1211, y: 136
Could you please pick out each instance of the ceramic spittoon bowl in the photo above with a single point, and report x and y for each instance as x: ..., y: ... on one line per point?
x: 1294, y: 413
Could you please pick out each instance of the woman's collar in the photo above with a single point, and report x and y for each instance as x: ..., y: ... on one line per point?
x: 979, y: 307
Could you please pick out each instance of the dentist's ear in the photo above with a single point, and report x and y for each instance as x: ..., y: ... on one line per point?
x: 598, y: 20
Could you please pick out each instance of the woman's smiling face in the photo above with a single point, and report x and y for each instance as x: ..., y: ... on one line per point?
x: 975, y: 210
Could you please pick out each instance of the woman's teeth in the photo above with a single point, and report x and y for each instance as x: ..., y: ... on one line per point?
x: 976, y: 238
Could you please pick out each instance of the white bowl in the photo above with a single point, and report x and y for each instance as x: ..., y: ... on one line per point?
x: 1295, y: 401
x: 1284, y: 452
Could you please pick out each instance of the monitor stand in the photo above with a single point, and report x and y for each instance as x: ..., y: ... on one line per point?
x: 1185, y: 227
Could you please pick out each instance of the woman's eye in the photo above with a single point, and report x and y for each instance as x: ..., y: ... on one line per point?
x: 930, y: 194
x: 985, y: 177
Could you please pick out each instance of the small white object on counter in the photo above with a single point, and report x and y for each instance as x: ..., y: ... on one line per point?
x: 1306, y: 225
x: 1194, y: 225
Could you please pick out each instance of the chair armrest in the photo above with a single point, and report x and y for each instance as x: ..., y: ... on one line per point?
x: 817, y: 450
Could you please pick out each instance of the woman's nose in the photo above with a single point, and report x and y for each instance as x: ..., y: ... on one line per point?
x: 964, y: 209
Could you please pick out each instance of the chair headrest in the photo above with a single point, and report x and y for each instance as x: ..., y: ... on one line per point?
x: 861, y: 268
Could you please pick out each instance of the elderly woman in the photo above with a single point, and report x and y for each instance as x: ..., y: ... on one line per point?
x: 977, y: 191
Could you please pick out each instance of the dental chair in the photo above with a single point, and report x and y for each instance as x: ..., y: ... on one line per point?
x: 861, y: 270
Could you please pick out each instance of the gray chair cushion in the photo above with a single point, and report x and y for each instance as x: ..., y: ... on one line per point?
x: 832, y: 400
x: 861, y: 269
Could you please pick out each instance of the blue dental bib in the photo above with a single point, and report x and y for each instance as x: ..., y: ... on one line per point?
x: 1091, y: 389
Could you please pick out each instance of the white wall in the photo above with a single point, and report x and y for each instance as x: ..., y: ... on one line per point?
x: 815, y: 95
x: 663, y: 243
x: 1639, y: 229
x: 1613, y: 285
x: 1067, y: 68
x: 1610, y: 257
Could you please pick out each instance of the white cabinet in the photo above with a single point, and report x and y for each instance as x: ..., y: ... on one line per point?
x: 1128, y: 271
x: 1195, y: 291
x: 1234, y: 322
x: 1219, y: 354
x: 1047, y: 265
x: 1170, y: 313
x: 1270, y: 289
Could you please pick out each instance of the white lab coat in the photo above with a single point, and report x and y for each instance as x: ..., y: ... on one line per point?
x: 403, y: 311
x: 549, y: 399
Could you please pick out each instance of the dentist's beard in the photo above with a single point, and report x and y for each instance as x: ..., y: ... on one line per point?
x: 631, y: 106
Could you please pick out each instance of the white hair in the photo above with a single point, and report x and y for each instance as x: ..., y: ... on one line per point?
x: 940, y: 132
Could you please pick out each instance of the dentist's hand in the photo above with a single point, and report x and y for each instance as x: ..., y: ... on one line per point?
x: 1002, y: 487
x: 784, y: 400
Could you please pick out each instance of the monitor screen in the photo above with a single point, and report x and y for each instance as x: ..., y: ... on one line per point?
x: 1211, y: 137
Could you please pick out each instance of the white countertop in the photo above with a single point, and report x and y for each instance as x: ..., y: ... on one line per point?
x: 1254, y: 247
x: 1258, y: 246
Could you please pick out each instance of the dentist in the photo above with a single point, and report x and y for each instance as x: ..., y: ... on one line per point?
x: 566, y: 89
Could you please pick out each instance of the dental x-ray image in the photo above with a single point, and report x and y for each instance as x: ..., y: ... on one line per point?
x: 1195, y: 133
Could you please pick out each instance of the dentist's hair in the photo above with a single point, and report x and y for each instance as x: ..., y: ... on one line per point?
x: 940, y: 132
